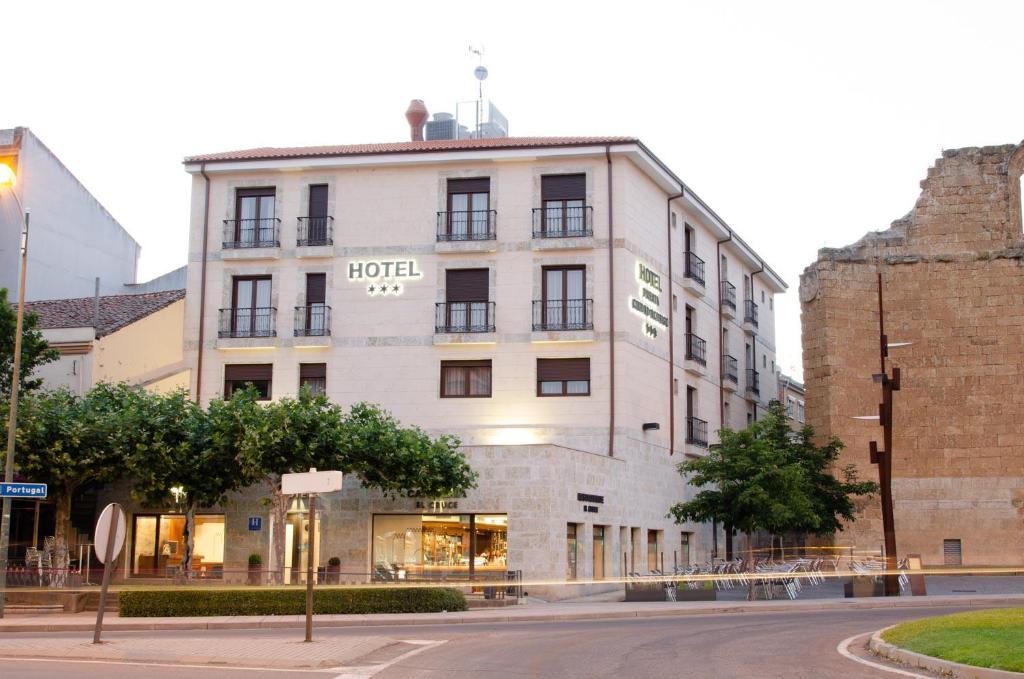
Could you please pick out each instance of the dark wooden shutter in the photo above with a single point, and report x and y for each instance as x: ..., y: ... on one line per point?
x: 477, y: 185
x: 563, y: 187
x: 316, y: 288
x: 558, y: 369
x: 312, y: 371
x: 318, y: 200
x: 250, y: 372
x: 467, y: 285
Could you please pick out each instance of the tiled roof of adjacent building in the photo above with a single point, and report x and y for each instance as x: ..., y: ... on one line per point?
x: 116, y: 311
x: 271, y: 153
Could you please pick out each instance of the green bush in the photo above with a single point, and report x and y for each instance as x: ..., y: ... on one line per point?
x: 265, y: 601
x: 255, y: 559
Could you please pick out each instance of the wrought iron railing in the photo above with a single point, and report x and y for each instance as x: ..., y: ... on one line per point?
x: 730, y: 369
x: 251, y: 233
x: 750, y: 312
x: 563, y: 314
x: 753, y: 382
x: 696, y: 349
x: 464, y: 317
x: 315, y: 231
x: 313, y: 320
x: 697, y: 431
x: 729, y: 295
x: 694, y: 267
x: 463, y: 225
x: 563, y: 222
x: 248, y: 322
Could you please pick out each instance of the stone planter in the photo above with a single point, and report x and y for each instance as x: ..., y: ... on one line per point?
x: 255, y: 574
x: 863, y: 585
x: 684, y: 593
x: 333, y: 574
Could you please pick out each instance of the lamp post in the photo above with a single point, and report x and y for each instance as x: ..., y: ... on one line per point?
x: 7, y: 178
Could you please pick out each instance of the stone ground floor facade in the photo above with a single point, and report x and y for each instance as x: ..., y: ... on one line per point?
x: 566, y: 519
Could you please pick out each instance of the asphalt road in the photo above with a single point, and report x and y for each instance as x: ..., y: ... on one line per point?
x: 733, y: 645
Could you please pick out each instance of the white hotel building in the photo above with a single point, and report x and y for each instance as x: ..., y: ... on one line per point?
x: 567, y: 306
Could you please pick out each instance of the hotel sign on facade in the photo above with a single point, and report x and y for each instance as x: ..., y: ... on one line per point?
x: 384, y: 276
x: 648, y: 304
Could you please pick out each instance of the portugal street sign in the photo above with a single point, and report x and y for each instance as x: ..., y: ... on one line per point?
x: 35, y: 491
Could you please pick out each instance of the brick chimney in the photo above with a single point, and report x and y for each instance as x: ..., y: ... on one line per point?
x: 416, y: 114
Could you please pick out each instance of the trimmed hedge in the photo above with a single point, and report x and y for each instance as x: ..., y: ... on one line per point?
x: 148, y: 603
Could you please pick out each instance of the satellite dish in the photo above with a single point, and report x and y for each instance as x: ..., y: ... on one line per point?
x: 480, y: 72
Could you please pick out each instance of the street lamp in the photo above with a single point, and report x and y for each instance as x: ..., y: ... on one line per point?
x: 7, y: 179
x: 883, y: 457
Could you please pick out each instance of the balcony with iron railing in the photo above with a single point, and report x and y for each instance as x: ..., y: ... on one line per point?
x: 313, y: 320
x: 730, y: 371
x: 251, y: 233
x: 696, y: 349
x: 248, y: 322
x: 750, y: 314
x: 697, y: 431
x: 693, y: 268
x: 563, y: 314
x: 728, y: 298
x: 563, y: 222
x: 314, y: 231
x: 753, y: 382
x: 460, y: 317
x: 466, y: 225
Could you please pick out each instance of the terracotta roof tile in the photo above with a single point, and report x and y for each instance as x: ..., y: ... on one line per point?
x: 271, y: 153
x: 116, y: 311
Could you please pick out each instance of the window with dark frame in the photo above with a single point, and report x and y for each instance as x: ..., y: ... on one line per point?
x: 255, y: 217
x: 466, y: 379
x: 563, y: 377
x: 313, y: 376
x: 467, y: 307
x: 316, y: 321
x: 314, y: 229
x: 564, y: 199
x: 241, y: 375
x: 564, y: 297
x: 469, y: 203
x: 251, y: 313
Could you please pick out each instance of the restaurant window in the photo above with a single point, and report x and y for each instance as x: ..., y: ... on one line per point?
x: 468, y: 208
x: 251, y: 312
x: 255, y: 220
x: 465, y: 379
x: 563, y: 376
x: 241, y: 375
x: 417, y: 546
x: 158, y: 545
x: 571, y: 551
x: 564, y: 199
x: 563, y: 293
x: 598, y: 552
x: 313, y: 376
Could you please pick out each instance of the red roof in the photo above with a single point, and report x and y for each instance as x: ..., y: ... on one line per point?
x: 270, y: 153
x: 116, y: 311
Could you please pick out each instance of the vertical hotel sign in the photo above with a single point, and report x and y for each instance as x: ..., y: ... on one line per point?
x: 648, y: 303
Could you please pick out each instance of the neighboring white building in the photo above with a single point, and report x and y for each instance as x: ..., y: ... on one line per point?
x: 554, y: 302
x: 73, y: 239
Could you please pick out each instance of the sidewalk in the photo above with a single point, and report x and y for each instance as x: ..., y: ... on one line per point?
x: 533, y: 612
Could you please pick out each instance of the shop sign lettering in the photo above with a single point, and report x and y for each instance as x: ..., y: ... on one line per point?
x: 437, y: 504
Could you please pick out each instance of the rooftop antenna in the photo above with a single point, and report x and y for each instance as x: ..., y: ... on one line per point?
x: 480, y: 72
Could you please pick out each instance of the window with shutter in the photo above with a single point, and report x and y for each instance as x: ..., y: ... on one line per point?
x: 316, y: 304
x: 466, y: 305
x: 563, y: 376
x: 465, y: 379
x: 315, y: 229
x: 313, y: 376
x: 242, y: 375
x: 564, y: 199
x: 468, y: 208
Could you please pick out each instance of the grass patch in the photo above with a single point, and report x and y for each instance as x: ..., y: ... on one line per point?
x: 140, y: 603
x: 991, y: 638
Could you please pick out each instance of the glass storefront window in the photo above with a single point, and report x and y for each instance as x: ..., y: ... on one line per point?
x: 158, y: 545
x: 652, y: 551
x: 410, y: 546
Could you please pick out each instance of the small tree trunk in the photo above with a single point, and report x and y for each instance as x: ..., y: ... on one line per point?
x: 280, y: 508
x: 63, y: 515
x: 728, y: 542
x: 751, y: 592
x: 190, y: 540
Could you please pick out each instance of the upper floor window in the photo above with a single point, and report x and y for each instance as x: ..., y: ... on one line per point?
x: 251, y: 313
x: 563, y: 305
x: 313, y: 376
x: 564, y: 212
x: 255, y: 222
x: 314, y: 318
x: 563, y: 376
x: 465, y: 379
x: 469, y: 215
x: 243, y: 375
x: 315, y: 228
x: 466, y: 307
x: 693, y: 265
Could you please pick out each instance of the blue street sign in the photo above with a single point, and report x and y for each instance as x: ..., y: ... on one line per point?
x: 255, y: 523
x: 35, y: 491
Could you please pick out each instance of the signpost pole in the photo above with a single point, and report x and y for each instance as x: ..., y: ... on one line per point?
x: 309, y: 566
x: 108, y: 568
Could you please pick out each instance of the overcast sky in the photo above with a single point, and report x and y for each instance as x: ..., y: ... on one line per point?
x: 802, y: 124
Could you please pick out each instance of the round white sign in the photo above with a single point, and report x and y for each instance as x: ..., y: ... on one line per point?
x: 110, y: 513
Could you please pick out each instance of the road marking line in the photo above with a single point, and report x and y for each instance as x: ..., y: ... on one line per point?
x: 218, y: 667
x: 843, y: 649
x: 373, y: 670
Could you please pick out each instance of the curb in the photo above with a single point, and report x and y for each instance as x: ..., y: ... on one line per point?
x: 293, y: 622
x: 926, y: 662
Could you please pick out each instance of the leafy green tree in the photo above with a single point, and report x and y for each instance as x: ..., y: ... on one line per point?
x: 295, y: 434
x: 767, y: 477
x: 66, y: 441
x: 174, y: 443
x: 35, y: 351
